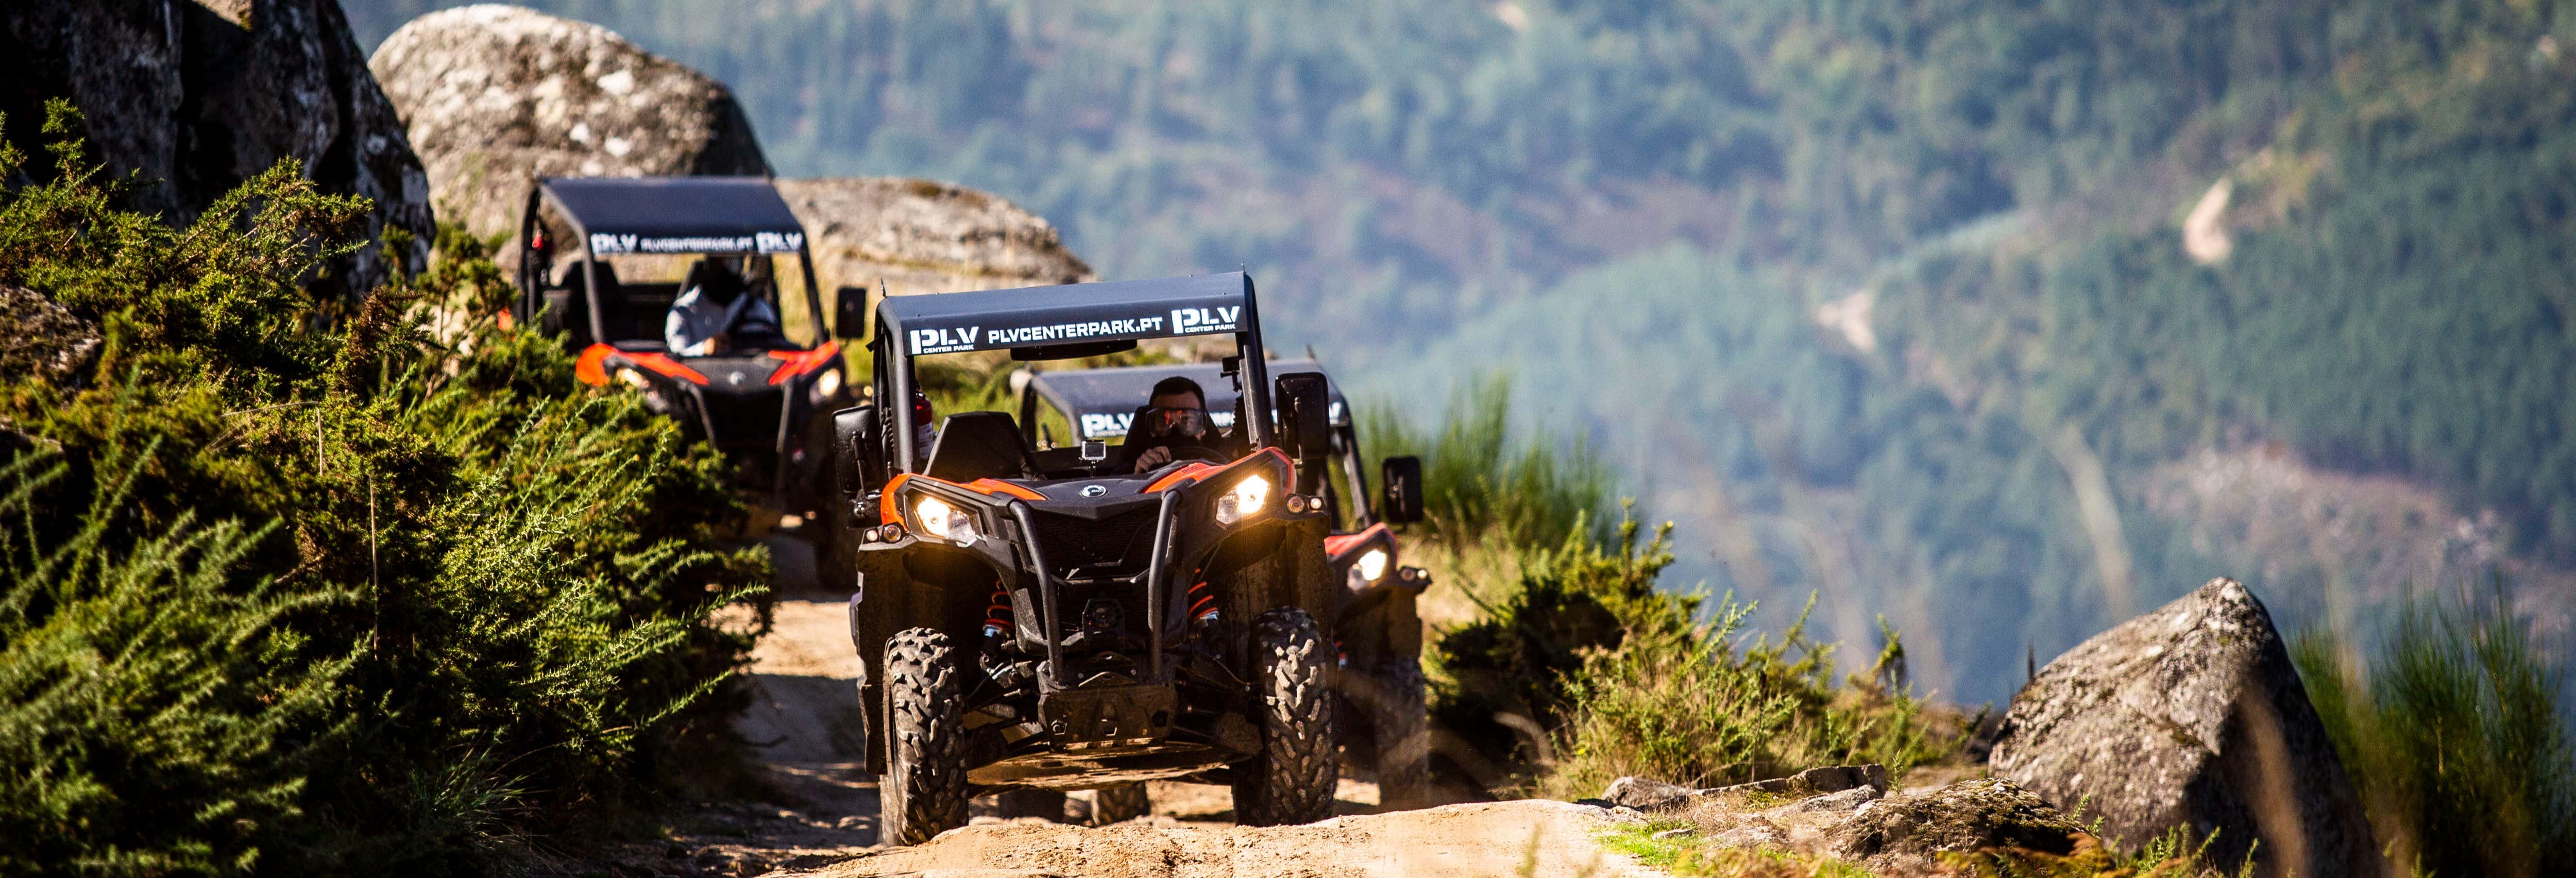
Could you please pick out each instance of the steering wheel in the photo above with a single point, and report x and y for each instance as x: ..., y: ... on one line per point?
x: 1193, y: 452
x: 1182, y: 454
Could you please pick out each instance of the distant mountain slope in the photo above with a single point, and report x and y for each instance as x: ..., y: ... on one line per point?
x: 1641, y: 208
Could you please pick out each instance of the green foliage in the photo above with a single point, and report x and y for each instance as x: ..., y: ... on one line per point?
x: 1587, y: 670
x: 1475, y: 486
x: 1697, y: 706
x: 155, y: 709
x: 2457, y: 739
x: 372, y: 586
x: 1503, y: 683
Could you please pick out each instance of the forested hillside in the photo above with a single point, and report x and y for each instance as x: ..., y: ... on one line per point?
x: 1888, y: 299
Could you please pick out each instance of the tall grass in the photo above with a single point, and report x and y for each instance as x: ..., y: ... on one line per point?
x: 2457, y: 736
x: 1479, y: 482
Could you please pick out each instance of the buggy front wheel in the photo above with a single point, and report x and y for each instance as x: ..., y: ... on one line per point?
x: 924, y: 789
x: 1291, y: 779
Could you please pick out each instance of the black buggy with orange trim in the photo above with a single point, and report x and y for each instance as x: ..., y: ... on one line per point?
x: 755, y: 402
x: 1032, y: 619
x: 1382, y: 724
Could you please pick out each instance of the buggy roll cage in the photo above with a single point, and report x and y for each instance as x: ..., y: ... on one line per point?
x: 663, y: 216
x: 1066, y: 321
x: 1096, y: 402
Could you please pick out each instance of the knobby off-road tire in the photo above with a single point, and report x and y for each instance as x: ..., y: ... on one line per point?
x: 1400, y: 719
x: 1291, y: 780
x: 1119, y: 804
x: 924, y: 788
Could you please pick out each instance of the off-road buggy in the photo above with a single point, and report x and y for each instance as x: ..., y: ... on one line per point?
x: 1378, y: 634
x: 756, y: 401
x: 1033, y: 619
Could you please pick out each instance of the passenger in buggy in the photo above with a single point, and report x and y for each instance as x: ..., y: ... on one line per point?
x: 717, y: 313
x: 1174, y: 417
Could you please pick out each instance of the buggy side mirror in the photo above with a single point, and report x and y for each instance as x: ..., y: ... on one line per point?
x: 1306, y: 426
x: 850, y: 312
x: 1402, y: 477
x: 856, y: 463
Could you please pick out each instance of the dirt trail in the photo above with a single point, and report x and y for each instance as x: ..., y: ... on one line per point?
x: 803, y: 722
x: 1526, y: 837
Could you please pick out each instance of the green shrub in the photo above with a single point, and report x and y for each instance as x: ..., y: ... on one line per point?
x: 1698, y: 706
x: 154, y: 710
x: 2457, y: 739
x: 299, y: 585
x: 1501, y: 684
x: 1588, y: 670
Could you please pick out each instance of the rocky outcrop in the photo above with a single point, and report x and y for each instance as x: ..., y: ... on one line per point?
x: 497, y: 96
x: 2191, y: 715
x: 925, y: 237
x: 199, y: 96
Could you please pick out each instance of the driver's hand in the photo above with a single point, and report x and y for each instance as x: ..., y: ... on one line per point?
x: 1153, y: 457
x: 719, y: 343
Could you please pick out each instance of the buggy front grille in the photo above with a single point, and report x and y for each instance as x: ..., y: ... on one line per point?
x: 1122, y: 542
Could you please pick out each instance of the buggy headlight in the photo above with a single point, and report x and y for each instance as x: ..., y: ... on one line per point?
x: 1372, y: 565
x: 935, y: 517
x: 827, y: 386
x: 1244, y: 500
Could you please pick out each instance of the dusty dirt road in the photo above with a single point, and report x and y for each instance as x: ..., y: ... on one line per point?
x: 823, y: 822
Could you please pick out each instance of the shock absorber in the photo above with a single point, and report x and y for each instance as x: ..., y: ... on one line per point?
x: 997, y: 616
x: 1202, y: 603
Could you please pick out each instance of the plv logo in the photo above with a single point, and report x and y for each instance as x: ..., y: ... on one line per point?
x: 1096, y: 425
x: 1189, y: 320
x: 930, y: 341
x: 602, y: 242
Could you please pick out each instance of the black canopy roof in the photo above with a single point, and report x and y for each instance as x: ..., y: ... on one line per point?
x: 1101, y: 402
x: 1070, y: 314
x: 677, y: 214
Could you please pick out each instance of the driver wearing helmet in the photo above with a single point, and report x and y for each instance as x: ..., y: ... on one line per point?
x: 1175, y: 417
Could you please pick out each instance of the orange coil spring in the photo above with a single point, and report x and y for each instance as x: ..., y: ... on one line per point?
x: 1202, y: 603
x: 997, y: 618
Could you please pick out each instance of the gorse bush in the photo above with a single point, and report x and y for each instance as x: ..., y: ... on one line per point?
x: 2456, y: 736
x: 153, y: 708
x: 293, y: 586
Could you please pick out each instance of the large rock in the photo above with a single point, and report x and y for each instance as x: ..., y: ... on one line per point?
x: 497, y: 96
x: 2191, y: 715
x: 925, y: 237
x: 199, y: 96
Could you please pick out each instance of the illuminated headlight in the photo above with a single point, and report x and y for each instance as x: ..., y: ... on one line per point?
x: 633, y: 378
x: 1244, y: 500
x: 1373, y: 565
x: 827, y: 386
x: 935, y: 517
